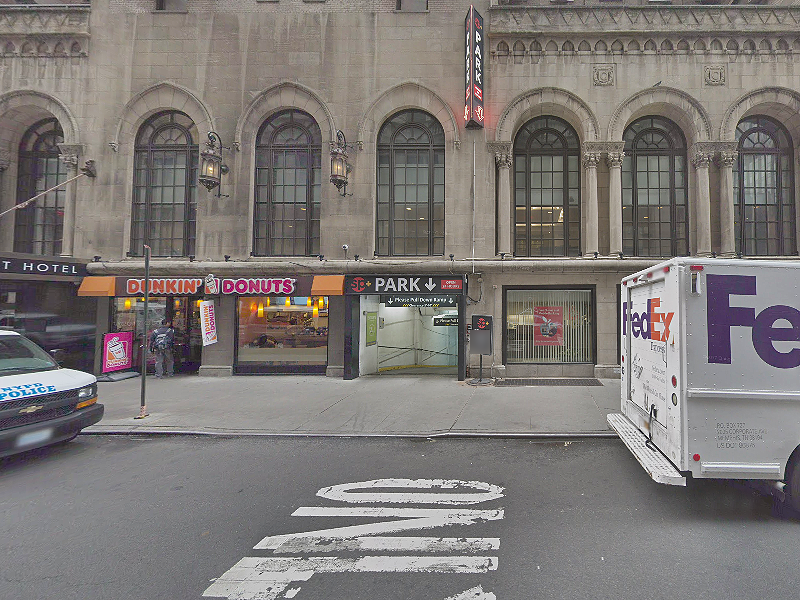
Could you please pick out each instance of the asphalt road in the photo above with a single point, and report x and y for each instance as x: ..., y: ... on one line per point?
x: 167, y: 518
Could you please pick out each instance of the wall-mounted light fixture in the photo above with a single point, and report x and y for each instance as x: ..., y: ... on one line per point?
x: 339, y: 166
x: 227, y: 257
x: 97, y: 258
x: 211, y: 166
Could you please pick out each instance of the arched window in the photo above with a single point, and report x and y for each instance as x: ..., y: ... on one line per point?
x: 547, y: 211
x: 410, y: 186
x: 288, y: 185
x: 654, y: 189
x: 764, y: 222
x: 165, y: 186
x: 39, y: 226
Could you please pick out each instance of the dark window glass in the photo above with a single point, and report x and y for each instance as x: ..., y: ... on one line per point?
x: 39, y: 227
x: 654, y: 189
x: 165, y: 186
x: 288, y: 186
x: 764, y: 212
x: 410, y: 204
x: 547, y: 189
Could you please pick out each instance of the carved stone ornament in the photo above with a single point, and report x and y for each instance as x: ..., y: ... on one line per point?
x: 714, y: 74
x: 603, y: 74
x: 614, y: 159
x: 70, y: 154
x: 591, y: 160
x: 502, y: 153
x: 5, y: 159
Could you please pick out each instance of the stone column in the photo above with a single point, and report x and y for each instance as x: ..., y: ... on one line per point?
x: 701, y: 160
x: 590, y: 245
x: 727, y: 199
x: 503, y: 159
x: 614, y: 159
x: 70, y: 154
x: 7, y: 199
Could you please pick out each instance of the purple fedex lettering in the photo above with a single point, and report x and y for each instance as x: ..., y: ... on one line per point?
x: 722, y: 316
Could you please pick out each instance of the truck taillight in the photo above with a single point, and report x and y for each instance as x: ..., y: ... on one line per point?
x: 623, y: 358
x: 650, y: 274
x: 674, y: 381
x: 666, y: 269
x: 696, y: 458
x: 696, y: 268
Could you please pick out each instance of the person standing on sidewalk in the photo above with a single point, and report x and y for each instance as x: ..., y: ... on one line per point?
x: 161, y: 343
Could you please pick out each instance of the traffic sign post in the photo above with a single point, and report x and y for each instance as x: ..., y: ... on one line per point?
x: 481, y: 340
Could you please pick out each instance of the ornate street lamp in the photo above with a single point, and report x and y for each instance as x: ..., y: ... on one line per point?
x: 339, y: 166
x: 211, y: 166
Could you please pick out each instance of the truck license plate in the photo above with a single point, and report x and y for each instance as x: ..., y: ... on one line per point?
x: 34, y: 437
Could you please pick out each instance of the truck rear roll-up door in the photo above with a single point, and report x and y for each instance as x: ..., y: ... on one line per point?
x: 656, y: 464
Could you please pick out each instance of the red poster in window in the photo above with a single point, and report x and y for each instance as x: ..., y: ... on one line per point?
x: 548, y: 325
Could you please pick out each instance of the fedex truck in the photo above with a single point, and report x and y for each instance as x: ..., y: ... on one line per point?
x: 711, y: 371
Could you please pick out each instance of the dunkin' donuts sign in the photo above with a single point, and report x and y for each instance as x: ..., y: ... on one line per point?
x: 210, y: 285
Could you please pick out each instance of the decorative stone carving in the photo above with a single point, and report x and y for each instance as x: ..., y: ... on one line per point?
x: 114, y: 146
x: 70, y: 154
x: 701, y: 159
x: 5, y: 159
x: 614, y: 159
x: 603, y: 74
x: 591, y: 160
x: 714, y: 74
x: 31, y: 31
x: 502, y: 153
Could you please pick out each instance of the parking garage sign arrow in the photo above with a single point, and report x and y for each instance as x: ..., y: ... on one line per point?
x: 430, y: 285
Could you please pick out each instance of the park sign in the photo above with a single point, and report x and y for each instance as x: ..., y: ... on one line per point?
x: 473, y: 105
x: 404, y: 284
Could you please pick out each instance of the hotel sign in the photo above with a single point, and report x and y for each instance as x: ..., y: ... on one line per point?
x: 473, y: 106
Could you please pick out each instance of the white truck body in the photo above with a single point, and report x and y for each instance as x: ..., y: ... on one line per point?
x: 711, y: 369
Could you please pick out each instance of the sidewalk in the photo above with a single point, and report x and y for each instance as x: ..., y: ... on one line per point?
x: 383, y: 405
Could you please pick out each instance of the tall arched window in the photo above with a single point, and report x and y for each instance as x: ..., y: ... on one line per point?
x: 764, y: 222
x: 654, y: 189
x: 165, y: 186
x: 410, y: 186
x: 288, y: 185
x: 39, y: 227
x: 547, y: 213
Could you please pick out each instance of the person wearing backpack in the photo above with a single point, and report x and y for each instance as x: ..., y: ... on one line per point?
x: 161, y: 343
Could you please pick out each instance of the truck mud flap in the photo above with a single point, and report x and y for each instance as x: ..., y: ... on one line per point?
x: 656, y: 464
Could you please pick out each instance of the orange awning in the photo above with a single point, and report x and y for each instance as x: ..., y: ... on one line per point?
x: 328, y: 285
x: 98, y: 286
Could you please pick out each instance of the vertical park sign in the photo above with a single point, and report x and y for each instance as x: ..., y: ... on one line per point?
x: 473, y: 106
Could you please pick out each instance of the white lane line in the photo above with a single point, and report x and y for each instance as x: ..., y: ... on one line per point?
x: 444, y: 491
x: 388, y: 544
x: 475, y: 593
x: 413, y: 518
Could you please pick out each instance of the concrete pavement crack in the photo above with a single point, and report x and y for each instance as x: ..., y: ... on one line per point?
x: 342, y: 399
x: 460, y: 412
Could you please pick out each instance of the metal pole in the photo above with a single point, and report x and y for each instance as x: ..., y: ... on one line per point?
x: 88, y: 171
x: 145, y: 342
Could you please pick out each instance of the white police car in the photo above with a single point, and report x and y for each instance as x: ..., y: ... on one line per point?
x: 41, y: 403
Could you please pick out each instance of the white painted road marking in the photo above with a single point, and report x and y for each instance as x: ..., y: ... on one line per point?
x: 270, y: 578
x: 448, y: 493
x: 388, y: 544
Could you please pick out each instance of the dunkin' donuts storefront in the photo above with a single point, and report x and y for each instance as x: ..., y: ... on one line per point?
x: 263, y: 324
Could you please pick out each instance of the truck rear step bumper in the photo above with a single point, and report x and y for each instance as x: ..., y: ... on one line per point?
x: 656, y: 464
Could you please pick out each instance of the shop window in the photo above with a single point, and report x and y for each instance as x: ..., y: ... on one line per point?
x: 171, y: 5
x: 38, y: 228
x: 654, y: 190
x: 410, y: 204
x: 288, y: 186
x: 165, y: 186
x: 282, y: 334
x: 411, y: 5
x: 547, y: 220
x: 764, y: 213
x: 549, y: 326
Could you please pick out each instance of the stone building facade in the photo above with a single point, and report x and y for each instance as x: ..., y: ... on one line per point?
x: 616, y: 135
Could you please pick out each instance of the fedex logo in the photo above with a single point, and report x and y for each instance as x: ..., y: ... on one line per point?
x: 649, y: 325
x: 722, y: 316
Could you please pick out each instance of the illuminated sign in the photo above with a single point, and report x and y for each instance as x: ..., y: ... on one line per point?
x: 473, y: 105
x: 404, y: 284
x: 429, y: 300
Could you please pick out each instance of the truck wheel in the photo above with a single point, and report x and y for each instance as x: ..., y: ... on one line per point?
x: 792, y: 489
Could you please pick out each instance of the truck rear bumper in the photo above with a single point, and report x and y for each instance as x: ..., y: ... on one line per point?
x: 654, y: 462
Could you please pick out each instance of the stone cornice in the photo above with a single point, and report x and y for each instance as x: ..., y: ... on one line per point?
x: 71, y: 20
x: 688, y: 20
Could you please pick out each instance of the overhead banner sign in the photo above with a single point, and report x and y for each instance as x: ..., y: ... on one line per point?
x: 473, y: 106
x: 433, y: 300
x: 208, y: 322
x: 403, y: 284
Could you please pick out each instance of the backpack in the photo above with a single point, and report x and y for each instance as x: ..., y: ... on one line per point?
x: 162, y: 341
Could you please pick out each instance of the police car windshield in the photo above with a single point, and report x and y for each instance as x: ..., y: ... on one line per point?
x: 20, y: 355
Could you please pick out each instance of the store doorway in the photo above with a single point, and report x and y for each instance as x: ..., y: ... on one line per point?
x: 182, y: 311
x: 405, y: 340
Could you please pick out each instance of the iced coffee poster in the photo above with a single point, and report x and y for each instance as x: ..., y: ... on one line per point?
x: 117, y: 351
x: 548, y: 325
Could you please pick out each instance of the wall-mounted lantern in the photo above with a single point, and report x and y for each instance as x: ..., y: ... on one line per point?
x: 211, y: 166
x: 339, y: 166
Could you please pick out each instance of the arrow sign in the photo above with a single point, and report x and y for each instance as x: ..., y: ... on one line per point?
x: 430, y: 285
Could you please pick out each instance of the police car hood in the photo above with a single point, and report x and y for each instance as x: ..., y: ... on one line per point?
x: 42, y: 382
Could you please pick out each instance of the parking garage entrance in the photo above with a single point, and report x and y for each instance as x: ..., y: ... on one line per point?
x: 406, y: 324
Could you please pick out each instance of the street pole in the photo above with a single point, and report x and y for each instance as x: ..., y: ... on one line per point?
x: 143, y: 409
